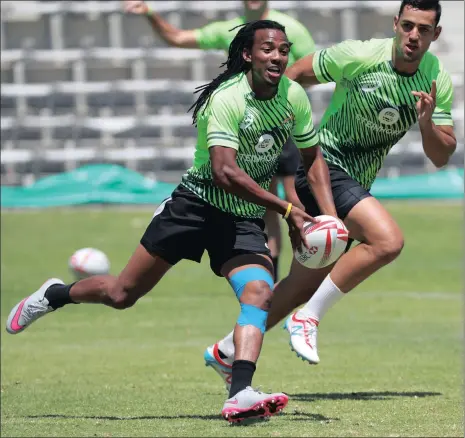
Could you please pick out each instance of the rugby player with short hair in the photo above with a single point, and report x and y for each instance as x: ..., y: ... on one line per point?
x: 383, y: 88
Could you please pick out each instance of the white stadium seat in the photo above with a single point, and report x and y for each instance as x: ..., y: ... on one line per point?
x: 83, y: 82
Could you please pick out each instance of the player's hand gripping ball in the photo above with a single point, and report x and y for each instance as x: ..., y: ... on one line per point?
x: 326, y: 241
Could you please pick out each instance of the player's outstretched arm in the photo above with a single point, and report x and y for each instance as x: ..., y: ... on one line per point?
x: 439, y: 142
x: 175, y: 37
x: 231, y: 178
x: 302, y: 72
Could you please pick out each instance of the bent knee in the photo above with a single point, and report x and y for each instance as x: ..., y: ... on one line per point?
x: 122, y: 301
x: 257, y: 293
x: 253, y: 286
x: 388, y: 250
x: 120, y: 296
x: 263, y: 295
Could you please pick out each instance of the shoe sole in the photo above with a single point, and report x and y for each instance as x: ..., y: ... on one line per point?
x: 19, y: 307
x: 304, y: 359
x: 263, y: 409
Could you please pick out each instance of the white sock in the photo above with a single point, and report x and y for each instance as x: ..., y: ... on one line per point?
x: 324, y: 298
x: 226, y: 345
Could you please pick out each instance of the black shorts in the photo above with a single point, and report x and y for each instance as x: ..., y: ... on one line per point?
x: 289, y: 159
x: 184, y: 226
x: 347, y: 193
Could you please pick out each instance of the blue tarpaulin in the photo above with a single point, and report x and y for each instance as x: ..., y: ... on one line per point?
x: 113, y: 184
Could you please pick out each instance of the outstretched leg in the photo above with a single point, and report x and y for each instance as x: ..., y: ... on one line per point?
x: 141, y: 274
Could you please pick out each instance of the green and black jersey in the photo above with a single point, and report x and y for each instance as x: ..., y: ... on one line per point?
x: 257, y: 129
x: 372, y: 106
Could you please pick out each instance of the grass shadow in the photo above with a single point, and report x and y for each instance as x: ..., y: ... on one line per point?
x: 298, y: 416
x: 383, y: 395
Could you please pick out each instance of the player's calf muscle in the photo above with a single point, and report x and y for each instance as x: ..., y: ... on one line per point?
x: 104, y: 289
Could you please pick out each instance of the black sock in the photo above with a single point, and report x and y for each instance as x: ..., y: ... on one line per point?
x: 58, y: 295
x: 275, y: 266
x: 242, y: 373
x: 221, y: 354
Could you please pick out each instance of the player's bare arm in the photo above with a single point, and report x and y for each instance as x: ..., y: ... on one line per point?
x: 439, y: 142
x: 185, y: 39
x: 231, y: 178
x: 302, y: 72
x: 318, y: 179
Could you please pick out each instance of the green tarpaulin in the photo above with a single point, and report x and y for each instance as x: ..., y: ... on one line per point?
x: 112, y: 184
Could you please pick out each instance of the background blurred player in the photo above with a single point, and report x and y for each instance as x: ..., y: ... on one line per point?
x: 244, y: 117
x: 384, y: 87
x: 218, y: 36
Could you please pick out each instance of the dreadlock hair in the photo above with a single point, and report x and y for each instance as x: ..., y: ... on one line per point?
x: 235, y: 63
x: 423, y: 5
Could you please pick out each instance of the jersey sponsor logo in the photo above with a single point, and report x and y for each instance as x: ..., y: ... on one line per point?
x: 247, y: 120
x: 389, y: 116
x: 378, y: 128
x: 265, y: 143
x: 370, y: 86
x: 259, y: 158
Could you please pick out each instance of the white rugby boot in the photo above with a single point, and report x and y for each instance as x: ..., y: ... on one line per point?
x: 252, y: 404
x: 303, y: 333
x: 30, y: 309
x: 221, y: 366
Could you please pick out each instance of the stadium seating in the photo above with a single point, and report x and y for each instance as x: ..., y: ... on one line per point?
x: 82, y: 82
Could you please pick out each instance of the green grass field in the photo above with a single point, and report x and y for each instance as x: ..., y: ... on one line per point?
x: 391, y: 352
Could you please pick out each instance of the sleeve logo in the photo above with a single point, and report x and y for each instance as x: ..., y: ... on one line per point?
x: 247, y: 120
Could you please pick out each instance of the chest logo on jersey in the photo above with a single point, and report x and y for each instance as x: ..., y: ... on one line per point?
x: 265, y: 143
x: 370, y: 86
x: 247, y: 121
x: 389, y: 116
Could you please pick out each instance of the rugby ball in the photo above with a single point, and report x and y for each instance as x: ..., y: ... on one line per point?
x: 326, y: 240
x: 88, y: 261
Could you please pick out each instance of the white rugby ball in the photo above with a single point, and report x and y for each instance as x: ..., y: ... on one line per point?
x: 88, y: 261
x: 326, y: 240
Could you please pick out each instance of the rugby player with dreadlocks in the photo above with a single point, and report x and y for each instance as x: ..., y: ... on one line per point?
x: 217, y: 35
x: 244, y: 117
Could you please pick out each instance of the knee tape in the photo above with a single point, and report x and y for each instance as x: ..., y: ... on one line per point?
x: 240, y: 279
x: 251, y: 315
